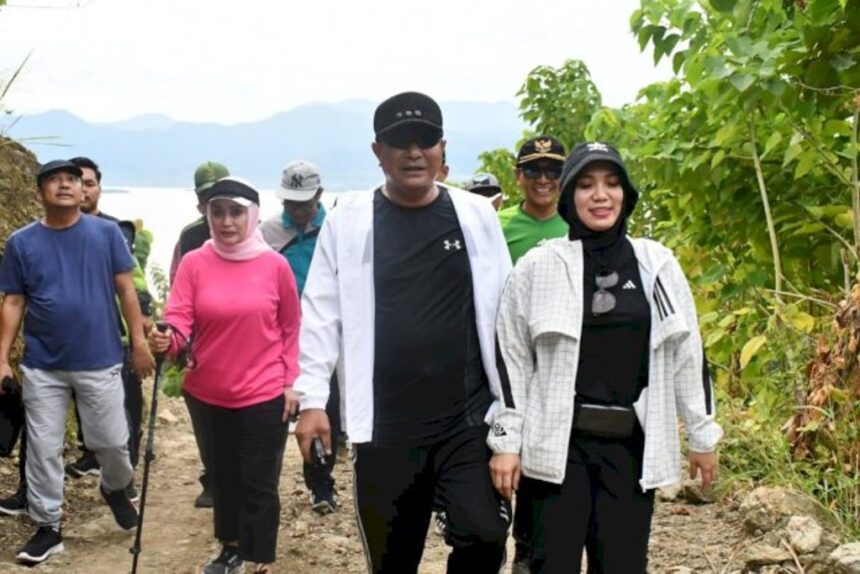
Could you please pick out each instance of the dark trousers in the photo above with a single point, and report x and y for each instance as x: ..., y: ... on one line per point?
x: 394, y: 493
x: 522, y: 530
x: 205, y: 442
x: 599, y: 507
x: 245, y: 472
x: 319, y: 479
x: 133, y: 409
x: 22, y: 461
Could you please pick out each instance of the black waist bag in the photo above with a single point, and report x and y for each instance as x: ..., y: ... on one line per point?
x: 11, y: 416
x: 604, y: 420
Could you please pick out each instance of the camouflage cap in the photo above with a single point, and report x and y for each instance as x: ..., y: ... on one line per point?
x: 207, y: 174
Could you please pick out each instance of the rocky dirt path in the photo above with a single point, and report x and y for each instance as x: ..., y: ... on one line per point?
x: 177, y: 537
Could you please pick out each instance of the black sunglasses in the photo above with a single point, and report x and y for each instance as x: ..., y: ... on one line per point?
x: 403, y: 139
x: 531, y: 172
x: 603, y: 301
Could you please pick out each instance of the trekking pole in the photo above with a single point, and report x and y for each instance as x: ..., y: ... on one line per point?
x: 149, y: 455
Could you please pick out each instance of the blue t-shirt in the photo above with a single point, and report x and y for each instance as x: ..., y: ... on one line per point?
x: 67, y: 277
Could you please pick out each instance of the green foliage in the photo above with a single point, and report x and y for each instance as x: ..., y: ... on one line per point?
x: 560, y: 101
x: 747, y: 162
x: 501, y: 163
x: 172, y: 376
x: 554, y: 101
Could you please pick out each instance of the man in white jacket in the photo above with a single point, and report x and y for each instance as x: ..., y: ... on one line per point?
x: 402, y: 296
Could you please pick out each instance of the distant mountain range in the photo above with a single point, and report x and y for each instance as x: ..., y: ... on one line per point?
x: 154, y: 150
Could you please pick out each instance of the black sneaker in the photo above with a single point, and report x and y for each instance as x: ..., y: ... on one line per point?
x: 45, y: 542
x: 131, y: 493
x: 15, y: 505
x: 205, y: 499
x: 440, y: 523
x: 87, y: 464
x: 123, y: 510
x: 323, y: 502
x: 228, y: 562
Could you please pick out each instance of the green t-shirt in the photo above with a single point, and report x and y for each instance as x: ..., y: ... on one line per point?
x: 522, y: 231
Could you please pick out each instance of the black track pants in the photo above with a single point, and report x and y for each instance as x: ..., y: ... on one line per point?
x: 320, y: 480
x: 599, y: 507
x: 245, y: 472
x: 394, y: 492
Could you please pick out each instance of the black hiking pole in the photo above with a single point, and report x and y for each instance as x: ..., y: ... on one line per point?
x: 149, y: 455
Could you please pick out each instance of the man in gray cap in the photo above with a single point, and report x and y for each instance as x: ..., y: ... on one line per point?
x: 401, y: 297
x: 293, y: 233
x: 485, y: 185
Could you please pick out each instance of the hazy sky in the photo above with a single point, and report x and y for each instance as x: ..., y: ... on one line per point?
x: 244, y: 60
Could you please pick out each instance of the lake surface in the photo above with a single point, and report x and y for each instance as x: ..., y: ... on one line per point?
x: 166, y: 210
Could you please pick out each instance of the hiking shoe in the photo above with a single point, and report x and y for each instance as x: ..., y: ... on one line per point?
x: 45, y: 542
x: 440, y: 523
x: 205, y: 499
x: 15, y: 505
x: 87, y: 464
x: 228, y: 562
x: 323, y: 502
x: 123, y: 510
x: 131, y: 493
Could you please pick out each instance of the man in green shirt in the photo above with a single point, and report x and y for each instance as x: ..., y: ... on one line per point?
x: 525, y: 225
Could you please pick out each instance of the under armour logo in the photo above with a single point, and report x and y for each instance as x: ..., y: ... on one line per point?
x: 597, y: 146
x: 455, y: 245
x: 629, y: 285
x: 296, y: 180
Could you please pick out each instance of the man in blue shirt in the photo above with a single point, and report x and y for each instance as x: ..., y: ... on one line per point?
x: 61, y: 276
x: 293, y: 234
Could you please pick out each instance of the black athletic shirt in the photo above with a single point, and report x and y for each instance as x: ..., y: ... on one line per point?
x: 613, y: 356
x: 428, y: 377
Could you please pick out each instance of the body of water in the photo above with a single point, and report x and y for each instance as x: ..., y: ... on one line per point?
x: 166, y: 210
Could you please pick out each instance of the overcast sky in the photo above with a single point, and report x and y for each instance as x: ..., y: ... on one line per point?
x: 237, y: 61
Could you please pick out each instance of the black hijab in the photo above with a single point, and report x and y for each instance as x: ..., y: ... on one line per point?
x: 600, y: 246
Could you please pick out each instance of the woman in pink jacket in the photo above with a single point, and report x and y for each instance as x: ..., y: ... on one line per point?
x: 235, y: 307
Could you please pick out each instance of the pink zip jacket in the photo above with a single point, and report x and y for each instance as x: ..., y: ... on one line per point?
x: 243, y: 319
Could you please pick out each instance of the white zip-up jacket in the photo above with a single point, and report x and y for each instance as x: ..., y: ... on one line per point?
x: 539, y: 330
x: 338, y: 308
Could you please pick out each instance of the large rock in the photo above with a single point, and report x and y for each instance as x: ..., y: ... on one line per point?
x: 846, y: 558
x: 758, y: 555
x: 804, y: 534
x: 767, y: 508
x: 18, y: 203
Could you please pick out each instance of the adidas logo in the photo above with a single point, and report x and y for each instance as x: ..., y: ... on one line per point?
x: 629, y: 285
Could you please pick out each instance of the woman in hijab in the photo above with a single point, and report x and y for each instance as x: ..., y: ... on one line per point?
x: 234, y: 306
x: 600, y: 347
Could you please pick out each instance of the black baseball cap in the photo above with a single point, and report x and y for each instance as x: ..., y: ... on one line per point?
x: 409, y: 109
x: 541, y: 147
x: 56, y: 166
x: 235, y: 189
x: 589, y: 152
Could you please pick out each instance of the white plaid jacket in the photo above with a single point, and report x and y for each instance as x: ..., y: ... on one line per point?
x: 539, y: 327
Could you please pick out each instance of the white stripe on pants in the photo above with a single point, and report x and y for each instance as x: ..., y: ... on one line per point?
x: 99, y: 395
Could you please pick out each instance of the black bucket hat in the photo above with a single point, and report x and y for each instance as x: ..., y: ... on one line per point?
x: 580, y: 157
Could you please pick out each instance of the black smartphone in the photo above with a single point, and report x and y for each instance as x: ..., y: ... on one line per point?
x: 318, y: 455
